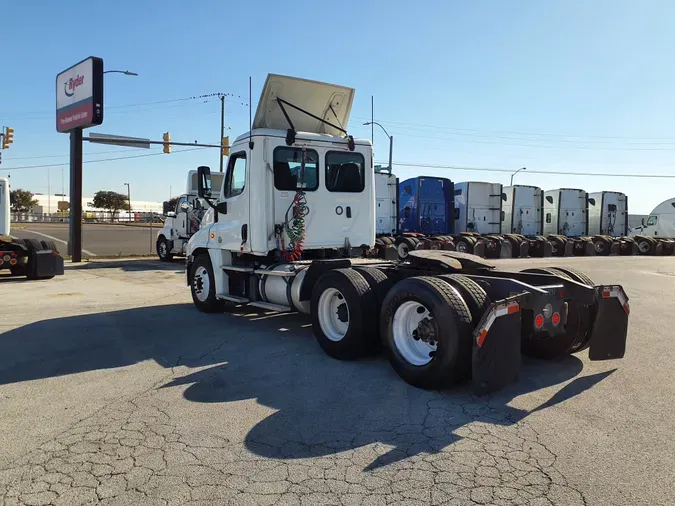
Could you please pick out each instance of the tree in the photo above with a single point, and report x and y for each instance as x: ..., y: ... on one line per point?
x: 110, y: 201
x: 21, y: 201
x: 172, y: 203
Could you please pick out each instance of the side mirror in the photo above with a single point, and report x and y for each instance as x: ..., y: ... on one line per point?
x: 504, y: 198
x: 165, y: 208
x: 591, y: 201
x: 204, y: 178
x: 186, y: 206
x: 221, y: 207
x: 643, y: 222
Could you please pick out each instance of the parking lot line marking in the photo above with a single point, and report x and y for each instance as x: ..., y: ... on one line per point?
x: 56, y: 239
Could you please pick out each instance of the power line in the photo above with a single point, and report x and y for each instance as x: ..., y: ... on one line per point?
x: 510, y: 171
x: 95, y: 161
x: 539, y: 134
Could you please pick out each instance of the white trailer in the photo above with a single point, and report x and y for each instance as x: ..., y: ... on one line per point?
x: 297, y: 209
x: 185, y: 219
x: 608, y: 214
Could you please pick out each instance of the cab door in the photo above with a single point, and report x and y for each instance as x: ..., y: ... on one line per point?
x: 181, y: 220
x: 231, y: 230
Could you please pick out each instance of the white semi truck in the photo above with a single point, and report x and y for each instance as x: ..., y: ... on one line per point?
x: 296, y: 208
x: 185, y: 219
x: 657, y: 231
x: 523, y: 218
x: 25, y: 257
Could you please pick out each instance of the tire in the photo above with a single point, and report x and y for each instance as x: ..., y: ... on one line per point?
x: 164, y: 250
x: 338, y: 295
x: 49, y: 245
x: 423, y: 365
x: 380, y: 284
x: 577, y: 275
x: 557, y: 246
x: 465, y: 244
x: 602, y: 246
x: 576, y: 331
x: 379, y: 242
x: 473, y: 294
x: 204, y: 297
x: 404, y: 245
x: 388, y: 240
x: 646, y: 246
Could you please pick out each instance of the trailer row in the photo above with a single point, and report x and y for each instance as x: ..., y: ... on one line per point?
x: 493, y: 221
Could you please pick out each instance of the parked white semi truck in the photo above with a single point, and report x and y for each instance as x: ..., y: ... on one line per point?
x: 657, y: 231
x: 32, y: 258
x: 185, y: 219
x: 298, y: 205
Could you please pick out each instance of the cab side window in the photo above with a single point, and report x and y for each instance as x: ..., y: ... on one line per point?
x: 345, y: 172
x: 235, y: 179
x: 290, y: 174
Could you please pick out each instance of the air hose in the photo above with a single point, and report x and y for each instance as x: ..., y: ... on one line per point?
x: 294, y: 225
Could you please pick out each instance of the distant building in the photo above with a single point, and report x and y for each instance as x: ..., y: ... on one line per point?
x: 56, y: 206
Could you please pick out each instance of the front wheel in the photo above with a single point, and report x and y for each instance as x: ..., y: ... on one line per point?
x: 164, y: 250
x: 203, y: 286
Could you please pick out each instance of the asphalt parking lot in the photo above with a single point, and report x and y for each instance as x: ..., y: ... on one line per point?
x: 98, y: 239
x: 115, y: 390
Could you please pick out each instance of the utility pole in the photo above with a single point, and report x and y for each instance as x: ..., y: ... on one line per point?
x: 129, y: 199
x: 222, y: 126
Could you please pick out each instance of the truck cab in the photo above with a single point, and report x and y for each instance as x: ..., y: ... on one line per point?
x: 566, y: 212
x: 183, y: 220
x: 660, y: 223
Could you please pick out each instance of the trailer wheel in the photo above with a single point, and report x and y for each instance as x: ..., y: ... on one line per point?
x: 426, y: 327
x: 342, y: 308
x: 473, y: 294
x: 404, y: 245
x: 164, y: 250
x: 203, y: 286
x: 576, y: 332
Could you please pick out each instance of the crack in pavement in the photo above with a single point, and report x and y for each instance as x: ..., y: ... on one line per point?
x: 465, y: 451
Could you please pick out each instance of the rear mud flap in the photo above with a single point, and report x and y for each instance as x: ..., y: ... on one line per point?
x: 614, y: 250
x: 479, y: 249
x: 505, y: 250
x: 496, y: 356
x: 45, y: 263
x: 610, y: 327
x: 524, y: 250
x: 541, y: 248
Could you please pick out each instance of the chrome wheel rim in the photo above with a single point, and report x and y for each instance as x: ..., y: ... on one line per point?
x: 412, y: 336
x: 333, y: 314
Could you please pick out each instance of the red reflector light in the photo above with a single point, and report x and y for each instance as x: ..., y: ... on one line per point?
x: 513, y: 308
x: 555, y: 318
x: 481, y: 337
x: 606, y: 295
x: 539, y: 321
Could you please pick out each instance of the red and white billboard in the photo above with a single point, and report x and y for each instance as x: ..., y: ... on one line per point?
x: 79, y: 95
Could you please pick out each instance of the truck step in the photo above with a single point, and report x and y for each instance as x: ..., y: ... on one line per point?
x: 232, y: 298
x: 236, y: 268
x: 270, y: 306
x: 283, y: 274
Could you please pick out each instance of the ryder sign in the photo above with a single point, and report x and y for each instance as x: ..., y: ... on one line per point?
x: 79, y: 95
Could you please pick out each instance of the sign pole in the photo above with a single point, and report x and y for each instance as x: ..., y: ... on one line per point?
x: 75, y: 231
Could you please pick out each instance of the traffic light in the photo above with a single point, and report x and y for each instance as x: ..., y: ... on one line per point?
x: 226, y: 146
x: 167, y: 138
x: 8, y: 138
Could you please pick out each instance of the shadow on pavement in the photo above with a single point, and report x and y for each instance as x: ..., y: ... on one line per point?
x: 323, y: 406
x: 131, y: 265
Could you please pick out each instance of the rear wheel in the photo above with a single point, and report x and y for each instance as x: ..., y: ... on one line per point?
x: 646, y: 246
x: 404, y: 245
x: 577, y: 328
x: 465, y: 244
x: 602, y: 245
x: 342, y: 309
x: 426, y: 327
x: 473, y: 294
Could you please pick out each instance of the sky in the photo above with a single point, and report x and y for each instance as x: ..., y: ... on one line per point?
x: 565, y: 87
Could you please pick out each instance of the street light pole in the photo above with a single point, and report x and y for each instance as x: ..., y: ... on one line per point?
x: 516, y: 172
x: 129, y: 199
x: 391, y: 143
x: 125, y: 72
x: 222, y: 127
